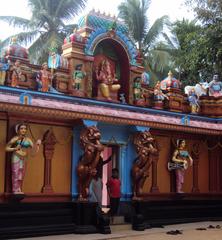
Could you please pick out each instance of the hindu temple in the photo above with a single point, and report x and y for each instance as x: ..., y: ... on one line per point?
x: 90, y: 110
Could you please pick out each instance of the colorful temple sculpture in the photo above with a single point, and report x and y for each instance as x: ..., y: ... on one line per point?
x: 68, y: 122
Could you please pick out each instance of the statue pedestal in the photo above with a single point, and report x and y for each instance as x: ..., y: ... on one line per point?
x: 16, y: 197
x: 158, y: 104
x: 176, y: 99
x: 113, y: 97
x: 140, y: 102
x: 77, y: 93
x: 211, y: 106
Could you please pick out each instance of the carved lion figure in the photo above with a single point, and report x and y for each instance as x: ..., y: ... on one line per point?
x: 146, y: 148
x: 86, y: 169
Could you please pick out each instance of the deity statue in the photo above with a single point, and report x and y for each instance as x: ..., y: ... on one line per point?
x: 179, y: 163
x: 78, y: 77
x: 106, y: 79
x: 44, y: 79
x: 145, y: 78
x: 215, y: 87
x: 87, y: 167
x: 18, y: 146
x: 4, y: 66
x: 16, y: 74
x: 122, y: 98
x: 158, y: 94
x: 137, y: 89
x: 146, y: 148
x: 193, y: 100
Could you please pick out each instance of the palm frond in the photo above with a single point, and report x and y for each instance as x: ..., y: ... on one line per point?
x: 26, y: 37
x: 16, y: 21
x: 154, y: 31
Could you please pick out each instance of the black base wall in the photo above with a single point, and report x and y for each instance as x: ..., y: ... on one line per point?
x: 19, y: 220
x: 157, y: 213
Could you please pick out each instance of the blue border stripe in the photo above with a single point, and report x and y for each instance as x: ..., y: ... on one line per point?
x: 90, y: 101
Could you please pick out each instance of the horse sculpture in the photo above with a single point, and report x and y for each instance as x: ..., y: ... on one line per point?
x: 201, y: 89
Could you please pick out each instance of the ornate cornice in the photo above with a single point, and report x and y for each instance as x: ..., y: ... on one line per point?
x: 71, y: 115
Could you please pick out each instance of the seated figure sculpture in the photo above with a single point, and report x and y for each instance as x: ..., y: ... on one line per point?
x: 158, y: 93
x: 215, y: 87
x: 107, y: 80
x: 16, y: 74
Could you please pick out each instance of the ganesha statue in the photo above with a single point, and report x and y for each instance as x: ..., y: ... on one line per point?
x: 107, y: 80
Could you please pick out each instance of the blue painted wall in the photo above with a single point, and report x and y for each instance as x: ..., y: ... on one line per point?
x: 112, y: 134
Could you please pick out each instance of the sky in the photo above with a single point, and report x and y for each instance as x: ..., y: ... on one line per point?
x: 173, y: 8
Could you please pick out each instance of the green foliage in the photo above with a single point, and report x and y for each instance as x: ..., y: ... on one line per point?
x: 209, y: 13
x: 46, y: 25
x: 134, y: 15
x: 190, y: 51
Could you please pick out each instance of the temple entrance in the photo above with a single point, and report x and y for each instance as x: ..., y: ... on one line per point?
x: 111, y: 52
x: 111, y: 160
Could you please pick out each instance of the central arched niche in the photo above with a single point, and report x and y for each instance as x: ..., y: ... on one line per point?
x: 113, y: 51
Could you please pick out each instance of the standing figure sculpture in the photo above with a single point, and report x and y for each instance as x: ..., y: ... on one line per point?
x: 16, y: 74
x: 44, y: 79
x: 19, y: 145
x: 106, y: 79
x: 137, y: 89
x: 4, y: 66
x: 193, y: 100
x: 146, y: 148
x: 180, y: 163
x: 87, y: 167
x: 78, y: 77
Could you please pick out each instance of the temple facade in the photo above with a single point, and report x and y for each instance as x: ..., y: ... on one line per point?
x: 93, y: 111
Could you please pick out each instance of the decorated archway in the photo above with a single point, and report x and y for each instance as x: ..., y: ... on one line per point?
x: 113, y: 51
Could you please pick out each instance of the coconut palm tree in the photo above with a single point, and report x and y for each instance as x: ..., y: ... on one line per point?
x: 47, y: 25
x: 134, y: 14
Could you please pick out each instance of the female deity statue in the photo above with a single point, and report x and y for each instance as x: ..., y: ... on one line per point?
x: 18, y: 146
x: 180, y: 163
x: 146, y: 148
x: 16, y: 74
x: 107, y: 80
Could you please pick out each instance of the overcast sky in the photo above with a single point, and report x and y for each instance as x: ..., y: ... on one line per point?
x: 173, y: 8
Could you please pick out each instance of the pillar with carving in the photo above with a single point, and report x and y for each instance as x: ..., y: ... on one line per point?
x: 49, y: 141
x: 195, y: 155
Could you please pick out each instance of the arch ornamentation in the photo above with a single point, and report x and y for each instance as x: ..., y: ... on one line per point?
x: 101, y: 34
